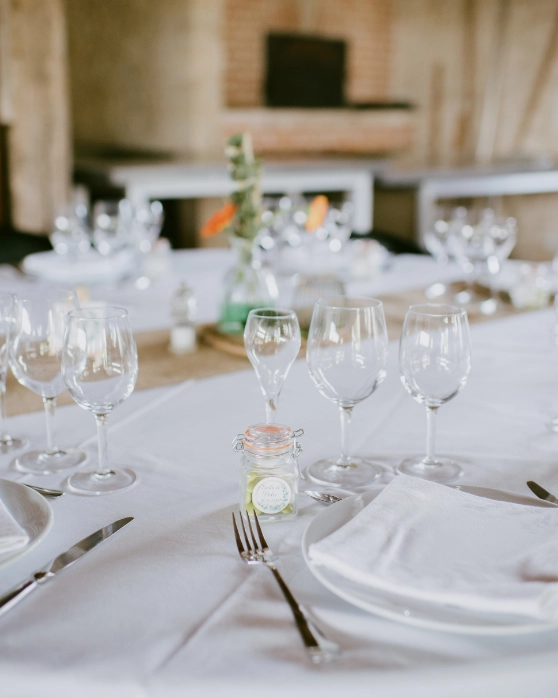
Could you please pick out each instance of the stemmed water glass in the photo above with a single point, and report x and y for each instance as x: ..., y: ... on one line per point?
x: 112, y: 225
x: 100, y: 367
x: 272, y: 342
x: 439, y: 240
x: 35, y: 360
x: 147, y: 223
x: 347, y: 360
x: 7, y: 443
x: 434, y: 360
x: 501, y: 236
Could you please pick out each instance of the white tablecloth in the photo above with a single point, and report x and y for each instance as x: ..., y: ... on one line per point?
x: 203, y: 270
x: 166, y: 608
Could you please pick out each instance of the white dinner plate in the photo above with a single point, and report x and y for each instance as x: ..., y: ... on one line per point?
x: 89, y: 268
x: 32, y: 512
x: 399, y: 607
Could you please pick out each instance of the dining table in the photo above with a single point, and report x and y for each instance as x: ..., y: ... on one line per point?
x: 166, y: 607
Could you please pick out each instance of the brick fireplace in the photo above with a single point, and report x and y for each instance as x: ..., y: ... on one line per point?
x: 364, y: 27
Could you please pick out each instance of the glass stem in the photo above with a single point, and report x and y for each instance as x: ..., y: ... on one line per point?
x: 50, y: 412
x: 431, y: 435
x: 346, y: 413
x: 4, y: 437
x: 271, y: 409
x: 103, y: 469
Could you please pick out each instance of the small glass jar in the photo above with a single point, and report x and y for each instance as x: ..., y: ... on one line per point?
x: 183, y: 310
x: 269, y: 471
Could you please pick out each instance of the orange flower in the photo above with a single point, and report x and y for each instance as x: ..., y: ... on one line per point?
x: 317, y: 213
x: 219, y: 220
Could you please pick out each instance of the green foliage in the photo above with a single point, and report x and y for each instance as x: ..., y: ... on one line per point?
x: 245, y: 171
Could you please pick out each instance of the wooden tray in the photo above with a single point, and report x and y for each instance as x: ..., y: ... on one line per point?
x: 229, y: 343
x: 232, y: 344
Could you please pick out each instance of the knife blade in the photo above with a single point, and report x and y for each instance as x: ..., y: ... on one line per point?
x: 541, y: 492
x: 60, y: 563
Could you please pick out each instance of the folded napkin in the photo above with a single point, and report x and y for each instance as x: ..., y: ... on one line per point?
x: 12, y: 535
x: 439, y: 544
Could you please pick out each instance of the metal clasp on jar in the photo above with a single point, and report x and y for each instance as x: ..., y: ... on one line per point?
x: 297, y: 450
x: 238, y: 442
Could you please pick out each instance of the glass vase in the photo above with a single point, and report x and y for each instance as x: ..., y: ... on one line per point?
x: 247, y: 285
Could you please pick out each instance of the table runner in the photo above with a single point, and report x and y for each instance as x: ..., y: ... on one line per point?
x: 158, y: 367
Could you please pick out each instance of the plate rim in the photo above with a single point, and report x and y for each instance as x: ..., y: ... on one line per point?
x: 400, y: 617
x: 42, y: 503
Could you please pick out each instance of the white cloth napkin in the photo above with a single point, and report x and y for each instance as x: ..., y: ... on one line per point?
x: 12, y: 535
x: 439, y: 544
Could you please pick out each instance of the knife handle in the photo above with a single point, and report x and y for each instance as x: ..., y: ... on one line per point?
x: 12, y: 597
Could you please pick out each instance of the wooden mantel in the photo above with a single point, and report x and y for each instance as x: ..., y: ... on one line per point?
x: 312, y: 131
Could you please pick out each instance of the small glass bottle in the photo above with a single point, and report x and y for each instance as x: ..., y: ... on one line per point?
x: 183, y: 310
x: 269, y: 471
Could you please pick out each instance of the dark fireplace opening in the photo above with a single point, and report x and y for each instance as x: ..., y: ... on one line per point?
x: 305, y: 71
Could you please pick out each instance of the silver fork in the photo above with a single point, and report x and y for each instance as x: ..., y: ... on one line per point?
x: 257, y: 552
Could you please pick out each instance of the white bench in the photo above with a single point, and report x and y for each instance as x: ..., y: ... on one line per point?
x: 164, y: 180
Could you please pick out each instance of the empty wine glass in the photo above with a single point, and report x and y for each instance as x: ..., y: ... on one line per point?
x: 70, y: 234
x: 112, y: 225
x: 272, y: 341
x: 7, y: 443
x: 501, y: 236
x: 439, y: 241
x: 308, y: 290
x: 472, y: 247
x: 100, y: 367
x: 347, y: 360
x: 434, y: 360
x: 147, y: 223
x: 35, y: 361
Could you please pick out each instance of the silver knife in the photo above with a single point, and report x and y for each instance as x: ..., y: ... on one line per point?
x: 541, y: 492
x: 61, y: 562
x: 44, y: 491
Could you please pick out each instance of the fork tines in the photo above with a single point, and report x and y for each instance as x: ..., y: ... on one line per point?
x: 253, y: 546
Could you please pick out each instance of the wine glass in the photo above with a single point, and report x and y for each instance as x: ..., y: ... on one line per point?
x: 7, y: 443
x: 347, y: 360
x: 501, y: 236
x: 112, y: 225
x: 147, y: 223
x: 439, y: 241
x: 434, y: 360
x: 272, y: 342
x: 70, y: 234
x: 35, y: 360
x: 100, y: 367
x: 472, y: 248
x: 308, y: 290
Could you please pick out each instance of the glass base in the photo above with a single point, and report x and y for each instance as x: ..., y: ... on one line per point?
x: 361, y: 471
x: 95, y: 484
x: 440, y: 470
x: 9, y: 444
x: 42, y: 463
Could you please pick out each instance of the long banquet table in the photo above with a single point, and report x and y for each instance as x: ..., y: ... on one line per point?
x: 166, y: 608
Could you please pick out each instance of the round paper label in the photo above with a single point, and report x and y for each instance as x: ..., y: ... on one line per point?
x: 271, y: 495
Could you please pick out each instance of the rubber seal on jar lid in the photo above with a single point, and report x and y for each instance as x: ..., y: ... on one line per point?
x: 268, y: 438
